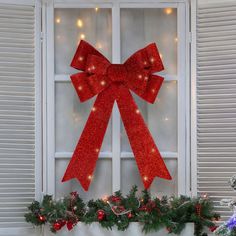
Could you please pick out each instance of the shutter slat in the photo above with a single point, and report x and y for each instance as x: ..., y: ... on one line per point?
x: 17, y: 113
x: 216, y: 102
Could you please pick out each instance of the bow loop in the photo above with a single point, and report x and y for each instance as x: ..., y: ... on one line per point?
x: 83, y: 51
x: 141, y: 66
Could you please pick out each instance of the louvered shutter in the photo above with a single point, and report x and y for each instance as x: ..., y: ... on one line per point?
x: 17, y: 116
x: 216, y: 101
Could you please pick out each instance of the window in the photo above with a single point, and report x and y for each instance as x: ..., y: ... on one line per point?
x: 117, y: 29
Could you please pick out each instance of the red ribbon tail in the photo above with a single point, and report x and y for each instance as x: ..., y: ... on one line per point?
x: 148, y: 158
x: 86, y: 153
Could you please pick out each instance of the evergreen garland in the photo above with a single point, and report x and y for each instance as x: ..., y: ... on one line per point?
x: 116, y: 210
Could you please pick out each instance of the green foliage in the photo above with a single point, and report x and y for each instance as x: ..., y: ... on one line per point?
x: 153, y: 213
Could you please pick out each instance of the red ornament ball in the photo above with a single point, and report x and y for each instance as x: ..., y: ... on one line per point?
x: 101, y: 215
x: 42, y: 218
x: 130, y: 215
x: 57, y: 226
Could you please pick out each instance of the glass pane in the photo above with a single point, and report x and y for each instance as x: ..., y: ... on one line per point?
x: 129, y: 170
x: 71, y: 116
x: 71, y: 25
x: 100, y: 186
x: 140, y: 27
x: 161, y: 118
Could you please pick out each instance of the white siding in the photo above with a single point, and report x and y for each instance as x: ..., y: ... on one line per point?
x: 216, y: 101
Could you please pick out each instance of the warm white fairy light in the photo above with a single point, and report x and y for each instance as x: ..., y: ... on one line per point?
x: 94, y: 109
x: 90, y: 177
x: 81, y: 58
x: 153, y: 150
x: 153, y: 90
x: 58, y: 20
x: 103, y: 82
x: 82, y: 36
x: 140, y: 76
x: 97, y: 149
x: 176, y: 39
x: 161, y: 56
x: 80, y: 23
x: 168, y: 10
x: 145, y: 178
x: 98, y: 45
x: 146, y: 78
x: 96, y: 9
x: 166, y: 119
x: 152, y: 59
x: 80, y: 88
x: 137, y: 111
x: 105, y: 198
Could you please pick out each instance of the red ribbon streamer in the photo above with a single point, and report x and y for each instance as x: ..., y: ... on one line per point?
x: 113, y: 82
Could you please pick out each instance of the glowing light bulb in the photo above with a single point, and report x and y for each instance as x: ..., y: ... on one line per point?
x: 166, y: 119
x: 96, y: 9
x: 81, y: 58
x: 145, y: 178
x: 176, y: 39
x: 99, y: 45
x: 80, y: 88
x: 97, y: 150
x: 161, y: 56
x: 137, y: 111
x: 80, y: 23
x: 58, y: 20
x: 90, y: 177
x: 103, y: 82
x: 94, y: 109
x: 82, y: 36
x: 153, y: 150
x: 168, y: 11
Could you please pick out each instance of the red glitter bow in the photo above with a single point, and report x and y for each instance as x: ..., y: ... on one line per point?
x: 113, y: 82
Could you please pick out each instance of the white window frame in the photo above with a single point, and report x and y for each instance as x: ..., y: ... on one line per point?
x: 183, y: 155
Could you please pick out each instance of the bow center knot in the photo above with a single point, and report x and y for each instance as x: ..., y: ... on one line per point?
x: 117, y: 72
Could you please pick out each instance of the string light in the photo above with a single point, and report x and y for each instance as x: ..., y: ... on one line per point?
x: 161, y: 56
x: 176, y: 39
x: 137, y: 111
x: 166, y: 119
x: 103, y: 82
x: 140, y: 76
x: 58, y: 20
x: 90, y: 177
x: 145, y: 178
x: 146, y: 78
x: 105, y: 198
x: 80, y: 88
x: 96, y: 9
x: 153, y: 150
x: 81, y: 58
x: 99, y: 45
x: 168, y: 11
x: 80, y: 23
x: 97, y: 150
x: 94, y: 109
x: 82, y: 36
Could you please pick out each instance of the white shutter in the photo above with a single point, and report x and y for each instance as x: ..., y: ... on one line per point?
x: 17, y: 115
x: 216, y: 101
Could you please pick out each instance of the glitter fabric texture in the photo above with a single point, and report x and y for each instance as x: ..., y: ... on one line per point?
x: 113, y: 82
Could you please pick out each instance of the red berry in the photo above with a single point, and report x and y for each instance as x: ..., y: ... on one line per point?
x: 69, y: 225
x: 129, y: 215
x: 57, y: 226
x: 42, y: 218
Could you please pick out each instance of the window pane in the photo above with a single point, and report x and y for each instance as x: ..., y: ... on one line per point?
x: 140, y: 27
x: 71, y: 116
x: 100, y: 186
x: 71, y: 25
x: 161, y: 118
x: 129, y: 171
